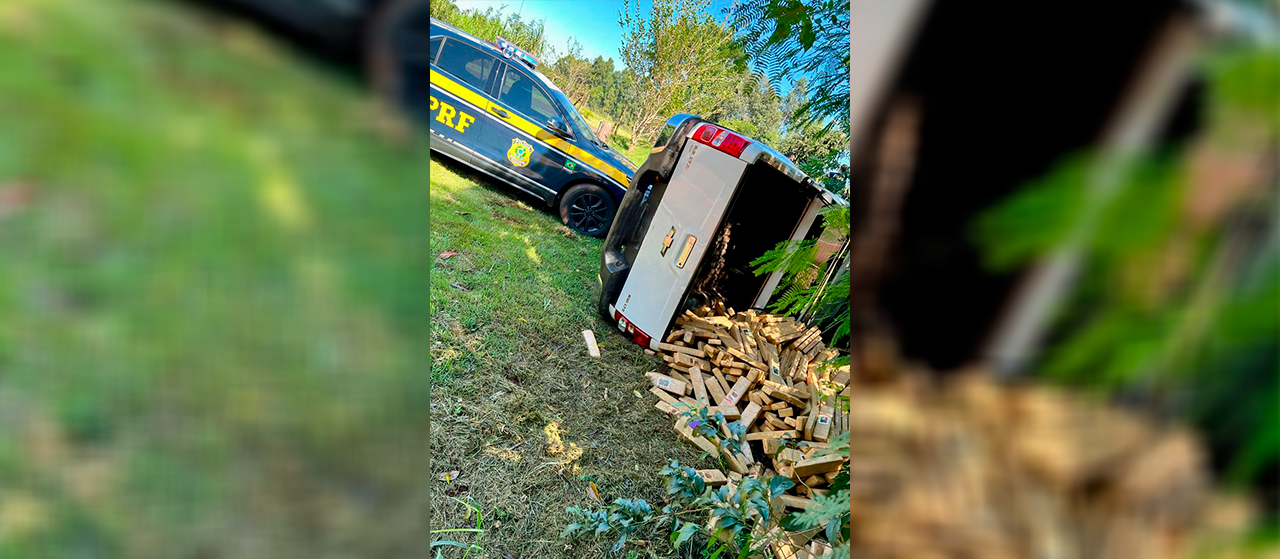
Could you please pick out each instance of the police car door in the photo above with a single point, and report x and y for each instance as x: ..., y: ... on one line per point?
x: 459, y: 76
x: 517, y: 131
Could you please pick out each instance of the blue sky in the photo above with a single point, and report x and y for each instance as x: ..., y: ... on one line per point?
x: 594, y: 23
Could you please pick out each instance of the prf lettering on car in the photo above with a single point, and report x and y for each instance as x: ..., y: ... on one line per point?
x: 445, y: 113
x: 492, y: 110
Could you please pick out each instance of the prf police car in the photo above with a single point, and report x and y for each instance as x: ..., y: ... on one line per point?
x: 491, y: 109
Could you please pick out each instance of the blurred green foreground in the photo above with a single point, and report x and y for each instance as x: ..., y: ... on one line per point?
x: 213, y: 296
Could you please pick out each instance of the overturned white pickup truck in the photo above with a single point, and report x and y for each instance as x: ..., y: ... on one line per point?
x: 705, y: 204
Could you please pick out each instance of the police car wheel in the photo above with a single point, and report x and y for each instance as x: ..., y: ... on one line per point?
x: 588, y: 209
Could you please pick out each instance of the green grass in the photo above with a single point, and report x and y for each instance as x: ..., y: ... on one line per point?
x: 508, y: 312
x: 213, y: 296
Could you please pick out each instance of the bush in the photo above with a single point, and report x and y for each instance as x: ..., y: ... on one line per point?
x: 489, y: 25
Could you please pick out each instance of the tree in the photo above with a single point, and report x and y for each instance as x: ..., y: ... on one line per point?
x: 679, y: 59
x: 571, y: 73
x: 601, y: 81
x: 802, y: 38
x: 753, y: 109
x: 620, y: 100
x: 804, y: 139
x: 762, y: 108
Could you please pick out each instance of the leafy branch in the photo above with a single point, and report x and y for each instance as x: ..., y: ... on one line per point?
x: 803, y: 291
x: 735, y: 514
x: 730, y: 518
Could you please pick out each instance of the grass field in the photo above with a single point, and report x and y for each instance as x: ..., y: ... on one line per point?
x: 518, y: 407
x: 213, y: 296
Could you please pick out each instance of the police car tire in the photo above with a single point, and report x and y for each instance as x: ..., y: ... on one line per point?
x: 380, y: 57
x: 584, y: 192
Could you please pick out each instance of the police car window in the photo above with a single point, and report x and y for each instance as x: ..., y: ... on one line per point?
x: 581, y: 124
x: 521, y: 95
x: 466, y: 63
x: 435, y: 47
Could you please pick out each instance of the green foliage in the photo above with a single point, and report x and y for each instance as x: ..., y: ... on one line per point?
x: 571, y: 73
x: 830, y: 511
x: 467, y: 548
x: 802, y: 289
x: 624, y: 516
x: 821, y: 152
x: 1205, y: 345
x: 1121, y: 338
x: 622, y: 141
x: 701, y: 422
x: 725, y: 518
x: 753, y: 109
x: 683, y: 482
x: 838, y: 444
x: 789, y: 257
x: 789, y: 38
x: 611, y: 90
x: 738, y: 125
x: 490, y: 24
x: 1246, y: 80
x: 1112, y: 232
x: 678, y: 59
x: 792, y: 258
x: 1058, y: 209
x: 179, y: 207
x: 822, y: 167
x: 1235, y: 395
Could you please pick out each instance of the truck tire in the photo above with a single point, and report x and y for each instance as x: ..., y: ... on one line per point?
x: 588, y: 209
x: 398, y: 27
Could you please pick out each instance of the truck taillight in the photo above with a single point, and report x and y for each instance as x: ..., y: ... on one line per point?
x: 630, y: 329
x: 720, y: 139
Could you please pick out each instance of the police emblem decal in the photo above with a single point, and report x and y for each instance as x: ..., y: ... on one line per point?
x: 519, y: 153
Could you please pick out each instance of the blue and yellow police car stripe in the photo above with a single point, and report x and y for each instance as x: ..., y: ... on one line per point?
x: 520, y: 123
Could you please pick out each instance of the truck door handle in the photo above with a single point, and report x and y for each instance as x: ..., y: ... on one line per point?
x: 686, y: 251
x: 498, y: 111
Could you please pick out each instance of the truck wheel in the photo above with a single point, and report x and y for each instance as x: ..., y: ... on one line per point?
x: 588, y: 209
x: 397, y: 43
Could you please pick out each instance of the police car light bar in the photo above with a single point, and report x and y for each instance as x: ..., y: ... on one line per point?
x: 510, y: 50
x: 720, y: 139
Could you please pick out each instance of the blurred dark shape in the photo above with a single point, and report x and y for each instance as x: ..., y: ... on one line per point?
x: 1085, y: 194
x: 212, y: 295
x: 1006, y: 90
x: 972, y: 468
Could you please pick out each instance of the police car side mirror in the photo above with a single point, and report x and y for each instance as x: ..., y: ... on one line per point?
x: 556, y: 124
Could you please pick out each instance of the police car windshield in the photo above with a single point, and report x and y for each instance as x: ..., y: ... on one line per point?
x: 578, y: 122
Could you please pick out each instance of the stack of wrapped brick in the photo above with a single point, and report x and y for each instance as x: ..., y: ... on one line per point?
x: 765, y: 372
x: 964, y: 467
x: 997, y: 471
